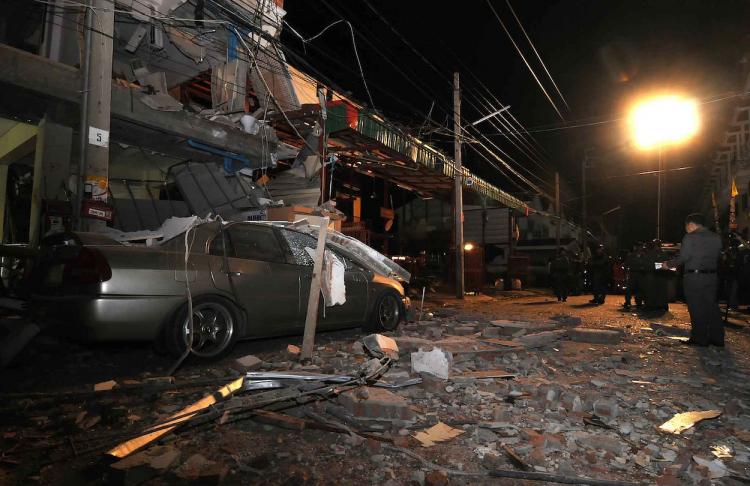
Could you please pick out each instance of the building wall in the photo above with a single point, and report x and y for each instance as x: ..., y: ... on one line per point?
x: 731, y: 163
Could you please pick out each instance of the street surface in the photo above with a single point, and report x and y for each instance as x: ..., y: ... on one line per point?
x: 573, y: 407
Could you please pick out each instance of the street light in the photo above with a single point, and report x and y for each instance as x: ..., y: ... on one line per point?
x: 659, y: 122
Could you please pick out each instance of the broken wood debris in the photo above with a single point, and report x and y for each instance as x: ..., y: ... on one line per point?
x: 439, y: 432
x: 238, y: 405
x: 185, y: 414
x: 683, y: 421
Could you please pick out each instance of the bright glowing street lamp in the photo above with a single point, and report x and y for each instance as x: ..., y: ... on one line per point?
x: 660, y: 122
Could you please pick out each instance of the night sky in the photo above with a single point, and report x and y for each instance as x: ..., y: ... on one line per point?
x: 602, y: 54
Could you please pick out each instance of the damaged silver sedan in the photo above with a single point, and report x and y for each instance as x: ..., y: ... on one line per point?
x: 246, y: 280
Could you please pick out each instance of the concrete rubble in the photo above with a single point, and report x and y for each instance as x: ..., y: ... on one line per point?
x: 568, y: 398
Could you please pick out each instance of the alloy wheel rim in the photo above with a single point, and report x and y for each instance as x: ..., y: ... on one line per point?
x: 213, y: 328
x: 388, y: 312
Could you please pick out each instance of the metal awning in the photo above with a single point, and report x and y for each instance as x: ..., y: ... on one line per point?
x: 369, y: 144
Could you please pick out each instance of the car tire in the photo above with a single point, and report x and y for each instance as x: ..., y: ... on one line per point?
x: 216, y: 325
x: 386, y: 314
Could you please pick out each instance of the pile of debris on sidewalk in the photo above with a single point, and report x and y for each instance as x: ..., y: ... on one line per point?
x: 453, y: 398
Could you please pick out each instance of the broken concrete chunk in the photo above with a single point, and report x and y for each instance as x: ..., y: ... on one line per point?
x: 432, y: 383
x: 357, y: 348
x: 436, y: 362
x: 595, y: 336
x: 463, y: 330
x: 411, y: 343
x: 572, y: 402
x: 293, y: 351
x: 198, y: 466
x: 567, y: 320
x: 157, y: 457
x: 509, y: 327
x: 378, y: 346
x: 607, y: 408
x: 539, y: 339
x: 247, y: 363
x: 716, y: 468
x: 377, y: 404
x: 602, y: 442
x: 503, y: 342
x: 491, y: 332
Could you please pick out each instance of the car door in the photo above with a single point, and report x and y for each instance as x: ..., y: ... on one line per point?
x: 264, y: 281
x: 352, y: 311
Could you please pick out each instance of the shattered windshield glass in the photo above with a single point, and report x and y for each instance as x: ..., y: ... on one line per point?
x: 299, y: 241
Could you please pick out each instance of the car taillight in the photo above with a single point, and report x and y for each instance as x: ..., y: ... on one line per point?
x: 89, y: 267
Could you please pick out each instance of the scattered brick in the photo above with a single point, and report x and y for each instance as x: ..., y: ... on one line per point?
x: 247, y: 363
x: 379, y: 404
x: 595, y: 336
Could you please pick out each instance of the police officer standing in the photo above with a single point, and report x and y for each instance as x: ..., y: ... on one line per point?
x: 656, y: 281
x: 601, y: 273
x: 635, y: 265
x: 560, y: 271
x: 731, y: 270
x: 699, y: 256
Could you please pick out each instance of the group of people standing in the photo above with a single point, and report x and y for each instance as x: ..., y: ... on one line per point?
x: 570, y: 272
x: 646, y: 284
x: 649, y: 273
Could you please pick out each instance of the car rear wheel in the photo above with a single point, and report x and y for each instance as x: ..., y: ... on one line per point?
x: 386, y: 314
x: 215, y: 328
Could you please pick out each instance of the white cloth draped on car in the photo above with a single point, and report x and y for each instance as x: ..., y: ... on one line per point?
x: 332, y: 278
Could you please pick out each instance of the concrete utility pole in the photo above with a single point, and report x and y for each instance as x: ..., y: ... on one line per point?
x: 658, y: 198
x: 583, y: 205
x: 458, y: 203
x: 96, y: 98
x: 557, y: 211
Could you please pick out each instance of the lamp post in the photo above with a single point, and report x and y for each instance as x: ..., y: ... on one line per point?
x: 659, y: 122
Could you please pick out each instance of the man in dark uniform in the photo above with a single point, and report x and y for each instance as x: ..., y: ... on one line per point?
x: 699, y: 255
x: 656, y: 281
x: 731, y: 270
x: 560, y: 272
x: 601, y: 273
x: 635, y: 264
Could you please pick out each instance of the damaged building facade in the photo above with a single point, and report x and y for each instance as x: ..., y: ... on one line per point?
x: 204, y: 114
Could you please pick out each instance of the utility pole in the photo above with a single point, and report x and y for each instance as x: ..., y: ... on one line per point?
x: 658, y: 200
x: 458, y: 204
x: 322, y: 142
x: 96, y: 98
x: 557, y: 211
x: 583, y: 205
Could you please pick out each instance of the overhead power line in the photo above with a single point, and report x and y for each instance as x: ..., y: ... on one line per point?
x: 409, y: 78
x: 486, y: 106
x: 531, y: 70
x: 529, y: 140
x: 537, y: 54
x: 354, y: 45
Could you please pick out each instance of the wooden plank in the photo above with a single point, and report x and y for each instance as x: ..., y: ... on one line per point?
x: 311, y: 321
x: 128, y: 447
